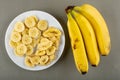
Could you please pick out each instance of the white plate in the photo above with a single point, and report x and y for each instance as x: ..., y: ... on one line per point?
x: 41, y: 15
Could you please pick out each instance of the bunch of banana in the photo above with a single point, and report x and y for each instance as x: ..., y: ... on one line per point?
x: 89, y: 33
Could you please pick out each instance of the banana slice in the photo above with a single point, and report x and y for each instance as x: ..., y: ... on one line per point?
x: 21, y: 49
x: 15, y: 36
x: 33, y: 43
x: 40, y: 53
x: 38, y: 40
x: 29, y: 50
x: 54, y: 38
x: 43, y: 60
x: 30, y: 22
x: 19, y: 27
x: 35, y: 60
x: 34, y: 32
x: 18, y: 53
x: 51, y: 50
x: 51, y: 31
x: 35, y: 18
x: 44, y: 44
x: 26, y: 39
x: 52, y: 57
x: 56, y: 41
x: 25, y: 32
x: 56, y: 44
x: 18, y: 43
x: 42, y: 25
x: 28, y: 61
x: 12, y: 44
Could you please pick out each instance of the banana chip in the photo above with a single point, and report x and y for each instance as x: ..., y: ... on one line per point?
x: 19, y: 27
x: 40, y: 53
x: 30, y: 21
x: 15, y: 36
x: 56, y: 44
x: 51, y: 31
x: 26, y: 39
x: 28, y: 61
x: 25, y: 32
x: 43, y: 60
x: 51, y: 50
x: 34, y: 32
x: 35, y: 60
x: 52, y: 57
x: 35, y: 18
x: 44, y: 44
x: 22, y: 49
x: 29, y: 50
x: 33, y: 43
x: 12, y: 44
x: 18, y: 53
x: 42, y: 25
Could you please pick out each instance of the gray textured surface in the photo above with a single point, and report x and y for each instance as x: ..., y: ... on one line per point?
x: 64, y: 69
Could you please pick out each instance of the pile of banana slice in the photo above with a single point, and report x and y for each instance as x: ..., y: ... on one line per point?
x: 35, y: 40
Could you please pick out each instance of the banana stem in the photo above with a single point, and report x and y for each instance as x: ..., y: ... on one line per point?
x: 69, y: 8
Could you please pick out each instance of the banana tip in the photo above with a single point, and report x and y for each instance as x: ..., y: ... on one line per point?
x: 83, y: 73
x: 69, y: 8
x: 94, y: 65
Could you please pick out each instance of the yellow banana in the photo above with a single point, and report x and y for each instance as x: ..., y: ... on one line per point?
x: 99, y: 26
x: 77, y: 44
x: 89, y: 38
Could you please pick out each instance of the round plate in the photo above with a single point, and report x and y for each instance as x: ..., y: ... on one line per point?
x: 40, y: 15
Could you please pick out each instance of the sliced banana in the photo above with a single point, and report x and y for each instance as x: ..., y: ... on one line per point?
x: 40, y: 53
x: 42, y: 25
x: 54, y: 38
x: 44, y: 44
x: 35, y: 18
x: 25, y: 32
x: 51, y: 31
x: 18, y: 53
x: 28, y: 61
x: 15, y: 36
x: 34, y: 32
x: 43, y: 60
x: 43, y: 40
x: 19, y: 27
x: 12, y: 44
x: 51, y: 50
x: 56, y: 44
x: 30, y: 22
x: 21, y: 49
x: 52, y: 57
x: 35, y: 60
x: 18, y: 43
x: 33, y: 43
x: 38, y: 40
x: 29, y: 50
x: 26, y: 39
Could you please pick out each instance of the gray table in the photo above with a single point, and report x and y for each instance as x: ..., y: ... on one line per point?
x: 64, y: 69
